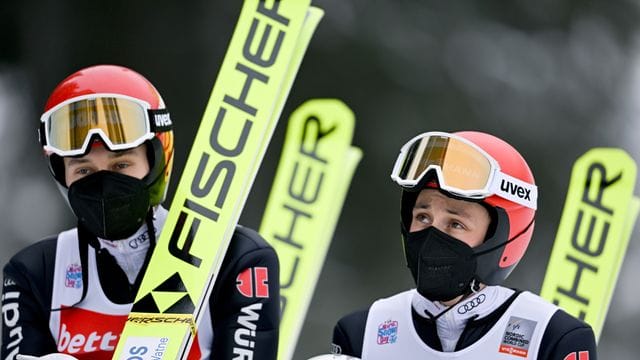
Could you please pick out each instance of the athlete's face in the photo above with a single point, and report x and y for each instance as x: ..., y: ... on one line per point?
x: 131, y: 162
x: 464, y: 220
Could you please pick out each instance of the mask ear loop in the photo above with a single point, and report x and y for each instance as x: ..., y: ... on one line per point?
x: 474, y: 288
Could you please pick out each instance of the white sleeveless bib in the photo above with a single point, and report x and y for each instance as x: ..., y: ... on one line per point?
x: 389, y: 332
x: 91, y: 329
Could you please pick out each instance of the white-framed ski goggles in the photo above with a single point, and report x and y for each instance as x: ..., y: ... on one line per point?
x: 462, y: 168
x: 121, y: 122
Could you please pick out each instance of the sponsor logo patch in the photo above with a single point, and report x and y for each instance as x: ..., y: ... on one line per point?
x: 245, y: 334
x: 582, y: 355
x: 253, y: 282
x: 471, y: 304
x: 388, y: 332
x: 145, y: 348
x: 12, y: 331
x: 141, y: 239
x: 517, y: 337
x: 82, y: 331
x: 73, y: 277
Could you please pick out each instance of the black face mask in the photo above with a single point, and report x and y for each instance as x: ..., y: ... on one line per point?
x: 110, y: 205
x: 442, y: 266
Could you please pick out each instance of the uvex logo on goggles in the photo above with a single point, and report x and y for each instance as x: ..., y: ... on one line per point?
x: 514, y: 189
x: 162, y: 120
x: 121, y: 122
x: 462, y: 168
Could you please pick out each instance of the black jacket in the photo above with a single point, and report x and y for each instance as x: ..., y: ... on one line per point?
x: 28, y: 285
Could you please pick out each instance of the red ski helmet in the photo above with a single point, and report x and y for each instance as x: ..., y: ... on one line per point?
x: 474, y: 166
x: 116, y: 106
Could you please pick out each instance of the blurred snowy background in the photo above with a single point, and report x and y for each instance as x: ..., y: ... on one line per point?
x: 553, y: 77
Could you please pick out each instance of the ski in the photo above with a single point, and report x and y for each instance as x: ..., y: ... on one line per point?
x: 598, y: 217
x: 307, y: 195
x: 258, y: 70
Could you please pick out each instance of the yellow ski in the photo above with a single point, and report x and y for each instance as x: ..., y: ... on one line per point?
x: 313, y: 176
x: 256, y: 75
x: 598, y: 218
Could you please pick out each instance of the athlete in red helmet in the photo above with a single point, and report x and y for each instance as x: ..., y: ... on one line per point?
x: 109, y: 141
x: 467, y: 216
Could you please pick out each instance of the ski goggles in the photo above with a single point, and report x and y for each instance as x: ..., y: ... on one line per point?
x: 122, y: 122
x: 462, y: 168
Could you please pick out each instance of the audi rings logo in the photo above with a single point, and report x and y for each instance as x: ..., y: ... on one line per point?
x: 471, y: 304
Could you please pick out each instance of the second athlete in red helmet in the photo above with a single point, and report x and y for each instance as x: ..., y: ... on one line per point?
x: 118, y: 109
x: 108, y: 138
x: 468, y: 202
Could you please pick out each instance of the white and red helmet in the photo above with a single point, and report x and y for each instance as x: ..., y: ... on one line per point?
x: 478, y: 167
x: 113, y: 105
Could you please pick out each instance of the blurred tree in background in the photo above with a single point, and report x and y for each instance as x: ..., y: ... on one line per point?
x: 553, y: 77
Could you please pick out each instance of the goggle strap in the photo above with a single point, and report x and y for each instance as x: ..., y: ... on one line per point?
x: 159, y: 120
x: 516, y: 190
x: 42, y: 135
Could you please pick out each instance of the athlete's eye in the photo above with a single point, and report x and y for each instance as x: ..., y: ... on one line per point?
x: 422, y: 218
x: 83, y: 171
x: 122, y: 165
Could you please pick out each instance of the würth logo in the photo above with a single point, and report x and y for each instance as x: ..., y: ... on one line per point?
x: 253, y: 282
x: 515, y: 189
